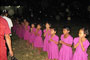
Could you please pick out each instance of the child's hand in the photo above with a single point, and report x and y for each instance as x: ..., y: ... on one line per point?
x: 11, y: 53
x: 49, y: 41
x: 60, y: 41
x: 80, y: 40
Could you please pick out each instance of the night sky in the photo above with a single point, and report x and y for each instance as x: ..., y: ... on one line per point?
x: 50, y: 9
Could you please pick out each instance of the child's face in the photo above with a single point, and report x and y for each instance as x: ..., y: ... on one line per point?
x: 33, y: 25
x: 81, y: 33
x: 38, y: 26
x: 47, y: 25
x: 53, y: 31
x: 27, y: 23
x: 24, y: 20
x: 65, y: 31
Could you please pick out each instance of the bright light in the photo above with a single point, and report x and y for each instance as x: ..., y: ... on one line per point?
x: 18, y: 6
x: 68, y: 18
x: 9, y: 6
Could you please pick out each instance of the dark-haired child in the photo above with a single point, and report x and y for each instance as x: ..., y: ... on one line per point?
x: 53, y: 51
x: 46, y: 35
x: 38, y: 43
x: 32, y: 35
x: 66, y: 41
x: 81, y: 44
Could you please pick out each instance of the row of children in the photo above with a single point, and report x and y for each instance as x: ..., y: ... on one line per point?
x: 50, y: 44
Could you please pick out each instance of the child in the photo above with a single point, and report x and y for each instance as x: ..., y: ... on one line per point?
x: 27, y: 33
x: 32, y: 38
x: 38, y: 43
x: 81, y: 44
x: 66, y: 41
x: 46, y: 35
x: 53, y: 47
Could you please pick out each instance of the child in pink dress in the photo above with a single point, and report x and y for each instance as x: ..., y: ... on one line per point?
x: 53, y: 51
x: 38, y: 43
x: 66, y: 41
x: 27, y: 33
x: 32, y: 37
x: 81, y: 44
x: 46, y: 35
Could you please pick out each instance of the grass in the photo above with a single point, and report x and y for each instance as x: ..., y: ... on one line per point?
x: 22, y: 52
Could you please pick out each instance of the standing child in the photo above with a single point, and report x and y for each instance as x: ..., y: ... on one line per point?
x: 32, y: 37
x: 66, y: 41
x: 38, y: 43
x: 27, y: 33
x: 53, y: 47
x: 46, y: 35
x: 81, y: 44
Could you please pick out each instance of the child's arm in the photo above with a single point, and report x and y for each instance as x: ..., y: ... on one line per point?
x: 44, y: 34
x: 31, y: 30
x: 53, y: 41
x: 75, y: 46
x: 66, y: 43
x: 76, y: 42
x: 39, y: 33
x: 82, y: 46
x: 8, y: 41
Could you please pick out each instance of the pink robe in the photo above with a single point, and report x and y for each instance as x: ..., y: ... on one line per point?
x: 27, y: 34
x: 45, y: 47
x: 79, y: 53
x: 32, y: 38
x: 38, y: 40
x: 53, y: 51
x: 66, y: 51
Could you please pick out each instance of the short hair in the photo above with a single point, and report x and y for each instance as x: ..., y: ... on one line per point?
x: 67, y: 27
x: 53, y: 28
x: 85, y: 30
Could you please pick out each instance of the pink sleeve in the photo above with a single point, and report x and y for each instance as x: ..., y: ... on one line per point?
x: 44, y: 30
x: 57, y: 38
x: 61, y: 38
x: 86, y: 45
x: 71, y: 40
x: 75, y: 41
x: 28, y: 27
x: 40, y: 33
x: 34, y: 29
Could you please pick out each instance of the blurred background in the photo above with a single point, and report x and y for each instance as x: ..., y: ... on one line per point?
x: 48, y: 10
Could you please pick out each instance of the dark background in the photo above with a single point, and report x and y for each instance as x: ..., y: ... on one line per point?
x: 48, y: 10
